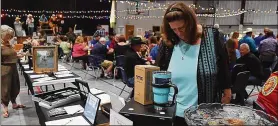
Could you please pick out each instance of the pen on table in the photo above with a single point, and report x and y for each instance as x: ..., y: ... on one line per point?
x: 76, y: 111
x: 68, y: 122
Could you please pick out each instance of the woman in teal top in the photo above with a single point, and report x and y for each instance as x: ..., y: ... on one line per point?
x: 197, y: 60
x: 183, y: 66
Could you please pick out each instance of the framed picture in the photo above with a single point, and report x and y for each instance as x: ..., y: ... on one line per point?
x: 45, y: 59
x: 121, y: 30
x: 139, y: 31
x: 49, y: 39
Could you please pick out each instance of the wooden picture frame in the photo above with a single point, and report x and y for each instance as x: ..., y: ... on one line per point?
x: 45, y: 59
x: 139, y: 31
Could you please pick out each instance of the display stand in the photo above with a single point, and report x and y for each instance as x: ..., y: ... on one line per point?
x: 147, y: 116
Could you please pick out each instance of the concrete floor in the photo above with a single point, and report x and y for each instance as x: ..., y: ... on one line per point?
x: 28, y: 116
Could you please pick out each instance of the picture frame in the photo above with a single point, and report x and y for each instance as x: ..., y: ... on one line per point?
x: 45, y: 59
x: 49, y: 39
x: 121, y: 30
x: 139, y: 31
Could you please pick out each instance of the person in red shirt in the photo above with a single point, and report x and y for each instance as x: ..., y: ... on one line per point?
x: 268, y: 97
x: 80, y: 51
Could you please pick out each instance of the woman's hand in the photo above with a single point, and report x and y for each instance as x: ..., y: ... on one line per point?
x: 226, y: 99
x: 86, y: 48
x: 110, y: 51
x: 20, y: 55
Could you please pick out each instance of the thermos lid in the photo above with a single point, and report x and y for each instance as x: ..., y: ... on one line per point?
x: 162, y: 74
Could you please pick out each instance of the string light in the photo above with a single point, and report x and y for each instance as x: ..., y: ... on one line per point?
x: 56, y: 11
x: 137, y: 17
x: 126, y: 10
x: 61, y: 16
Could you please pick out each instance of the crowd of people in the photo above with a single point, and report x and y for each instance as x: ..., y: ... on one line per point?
x: 53, y: 23
x: 200, y: 60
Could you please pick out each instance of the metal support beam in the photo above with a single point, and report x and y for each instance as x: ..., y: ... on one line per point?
x: 243, y: 3
x: 214, y: 12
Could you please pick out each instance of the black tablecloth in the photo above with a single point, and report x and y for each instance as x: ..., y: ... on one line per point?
x: 143, y: 115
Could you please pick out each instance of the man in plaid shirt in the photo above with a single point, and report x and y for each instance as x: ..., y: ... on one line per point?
x: 100, y: 31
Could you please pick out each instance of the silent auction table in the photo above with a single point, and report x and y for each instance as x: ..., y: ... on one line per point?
x: 35, y: 79
x: 44, y: 117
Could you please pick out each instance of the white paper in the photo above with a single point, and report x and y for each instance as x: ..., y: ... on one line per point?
x: 44, y: 79
x: 29, y: 71
x: 62, y: 69
x: 38, y: 76
x: 95, y: 91
x: 59, y: 65
x: 64, y: 75
x: 63, y: 72
x: 25, y: 66
x: 117, y: 119
x: 74, y: 109
x: 104, y: 98
x: 78, y: 120
x: 117, y: 102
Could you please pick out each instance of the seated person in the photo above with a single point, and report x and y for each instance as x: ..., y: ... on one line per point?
x: 252, y: 64
x: 144, y: 50
x: 267, y: 98
x: 133, y: 58
x: 267, y: 49
x: 66, y: 47
x: 80, y: 51
x: 42, y: 37
x: 154, y: 50
x: 100, y: 51
x: 95, y: 40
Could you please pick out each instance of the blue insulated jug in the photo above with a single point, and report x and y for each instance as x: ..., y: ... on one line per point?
x: 161, y: 88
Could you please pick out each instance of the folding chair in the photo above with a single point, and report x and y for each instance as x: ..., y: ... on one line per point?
x: 83, y: 89
x: 267, y: 72
x: 65, y: 58
x: 240, y: 83
x: 29, y: 84
x: 20, y: 67
x: 74, y: 62
x: 119, y: 64
x: 125, y: 81
x: 94, y: 64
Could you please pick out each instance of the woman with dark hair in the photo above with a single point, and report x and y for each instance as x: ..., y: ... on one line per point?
x: 235, y: 39
x: 121, y: 47
x: 198, y: 61
x: 233, y: 52
x: 152, y: 42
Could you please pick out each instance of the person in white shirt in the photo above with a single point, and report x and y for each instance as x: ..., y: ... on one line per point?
x: 30, y: 24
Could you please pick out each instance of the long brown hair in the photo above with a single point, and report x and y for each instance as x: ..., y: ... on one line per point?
x: 180, y: 11
x: 230, y: 45
x: 235, y: 35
